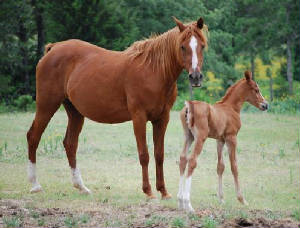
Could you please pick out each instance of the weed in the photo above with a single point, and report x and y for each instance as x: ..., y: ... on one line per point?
x: 296, y: 214
x: 178, y: 222
x: 154, y: 220
x: 281, y: 153
x: 41, y: 222
x: 12, y: 221
x: 71, y: 222
x: 194, y: 217
x: 209, y: 222
x: 243, y: 215
x: 34, y: 214
x: 84, y: 218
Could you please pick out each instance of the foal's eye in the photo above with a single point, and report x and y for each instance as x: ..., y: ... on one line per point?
x: 256, y: 91
x: 182, y: 48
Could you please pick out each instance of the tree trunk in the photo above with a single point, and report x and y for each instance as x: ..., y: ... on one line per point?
x: 22, y: 34
x: 289, y: 70
x: 38, y: 15
x: 252, y: 65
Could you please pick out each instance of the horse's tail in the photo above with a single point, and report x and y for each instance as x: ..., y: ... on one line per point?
x: 189, y: 113
x: 48, y: 47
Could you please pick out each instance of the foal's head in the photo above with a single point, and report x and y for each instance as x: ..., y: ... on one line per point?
x: 253, y: 94
x: 191, y: 44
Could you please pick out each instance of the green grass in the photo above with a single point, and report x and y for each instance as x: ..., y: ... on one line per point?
x: 268, y: 160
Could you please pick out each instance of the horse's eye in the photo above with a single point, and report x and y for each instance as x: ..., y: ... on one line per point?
x: 256, y: 91
x: 182, y: 48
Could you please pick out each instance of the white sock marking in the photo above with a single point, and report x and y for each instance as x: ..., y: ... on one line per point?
x: 36, y: 187
x: 77, y: 181
x: 193, y: 45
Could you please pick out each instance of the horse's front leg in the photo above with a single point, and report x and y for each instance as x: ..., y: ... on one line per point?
x: 159, y: 130
x: 139, y: 125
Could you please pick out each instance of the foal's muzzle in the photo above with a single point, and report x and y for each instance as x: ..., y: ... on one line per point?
x: 196, y: 79
x: 264, y: 106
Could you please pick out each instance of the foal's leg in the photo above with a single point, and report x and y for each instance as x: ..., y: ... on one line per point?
x: 159, y: 129
x: 139, y: 120
x: 192, y: 163
x: 42, y: 117
x: 231, y: 144
x: 70, y: 142
x: 220, y: 168
x: 189, y: 138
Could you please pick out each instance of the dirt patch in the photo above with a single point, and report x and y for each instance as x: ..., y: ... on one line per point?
x: 151, y: 214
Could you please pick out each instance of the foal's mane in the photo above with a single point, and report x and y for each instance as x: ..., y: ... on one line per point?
x: 161, y: 51
x: 230, y: 90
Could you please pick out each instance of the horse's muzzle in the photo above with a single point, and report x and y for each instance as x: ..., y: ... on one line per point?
x: 196, y: 79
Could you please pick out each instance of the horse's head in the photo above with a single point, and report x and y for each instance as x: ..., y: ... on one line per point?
x: 253, y: 94
x: 191, y: 44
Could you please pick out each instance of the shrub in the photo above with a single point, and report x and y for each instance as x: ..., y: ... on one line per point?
x: 24, y: 103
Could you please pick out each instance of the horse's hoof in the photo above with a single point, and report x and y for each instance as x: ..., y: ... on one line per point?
x: 151, y: 197
x: 85, y: 191
x: 35, y: 189
x: 166, y: 196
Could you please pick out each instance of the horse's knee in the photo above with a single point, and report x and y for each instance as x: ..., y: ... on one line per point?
x: 192, y: 166
x: 220, y: 168
x: 182, y: 164
x: 144, y: 158
x: 159, y: 159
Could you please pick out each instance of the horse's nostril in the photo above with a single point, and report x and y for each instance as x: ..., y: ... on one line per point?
x: 201, y: 75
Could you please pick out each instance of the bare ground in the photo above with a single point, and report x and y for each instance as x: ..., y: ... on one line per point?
x: 15, y: 213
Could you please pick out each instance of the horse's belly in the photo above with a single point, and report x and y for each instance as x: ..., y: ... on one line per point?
x: 101, y: 112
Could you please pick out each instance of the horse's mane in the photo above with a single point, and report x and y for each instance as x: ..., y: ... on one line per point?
x: 160, y: 50
x: 230, y: 91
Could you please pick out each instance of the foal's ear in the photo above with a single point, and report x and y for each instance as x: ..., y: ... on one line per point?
x: 180, y: 25
x: 248, y: 75
x: 200, y: 23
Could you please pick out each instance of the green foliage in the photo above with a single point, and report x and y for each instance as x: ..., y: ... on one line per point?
x: 296, y: 214
x: 70, y: 222
x: 238, y: 34
x: 14, y: 221
x: 24, y: 102
x: 178, y: 222
x: 209, y: 222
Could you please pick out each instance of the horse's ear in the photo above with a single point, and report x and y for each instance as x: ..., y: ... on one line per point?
x: 180, y: 25
x: 248, y: 75
x: 200, y: 23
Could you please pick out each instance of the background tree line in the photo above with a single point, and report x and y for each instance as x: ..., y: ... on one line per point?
x: 244, y: 34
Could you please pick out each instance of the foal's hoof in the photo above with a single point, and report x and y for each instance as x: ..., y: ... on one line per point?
x: 35, y: 189
x: 243, y: 201
x: 166, y: 196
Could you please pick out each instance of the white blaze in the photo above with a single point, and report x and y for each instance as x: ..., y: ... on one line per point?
x: 193, y: 45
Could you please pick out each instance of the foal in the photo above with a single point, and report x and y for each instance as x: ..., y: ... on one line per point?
x: 220, y: 121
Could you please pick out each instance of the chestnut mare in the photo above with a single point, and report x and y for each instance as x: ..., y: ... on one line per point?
x: 220, y: 121
x: 138, y: 84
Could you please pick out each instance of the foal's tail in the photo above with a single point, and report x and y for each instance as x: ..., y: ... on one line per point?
x: 189, y: 113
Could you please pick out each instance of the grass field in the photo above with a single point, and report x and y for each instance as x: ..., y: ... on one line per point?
x: 268, y: 159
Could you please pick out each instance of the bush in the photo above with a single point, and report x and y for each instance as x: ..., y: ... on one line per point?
x: 24, y: 103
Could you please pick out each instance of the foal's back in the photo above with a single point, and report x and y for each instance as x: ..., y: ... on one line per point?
x: 213, y: 121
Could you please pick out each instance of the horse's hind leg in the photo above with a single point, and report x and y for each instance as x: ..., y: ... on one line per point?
x: 42, y: 117
x: 75, y: 124
x: 231, y: 144
x: 220, y: 168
